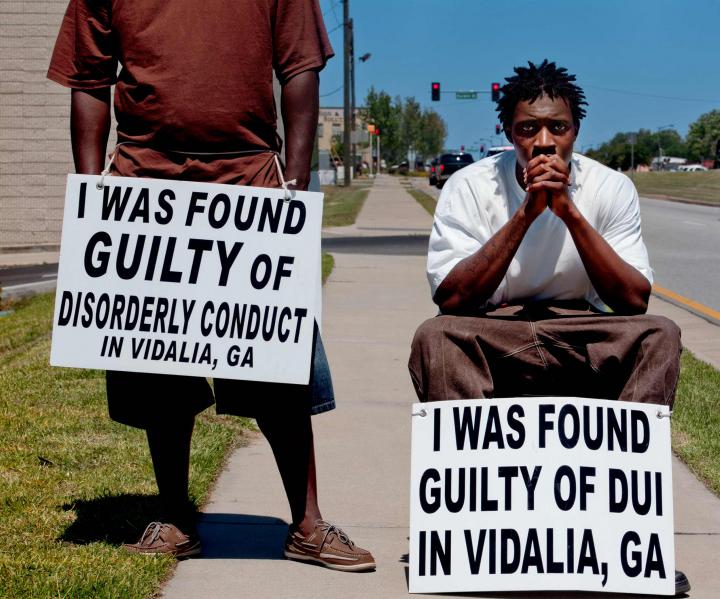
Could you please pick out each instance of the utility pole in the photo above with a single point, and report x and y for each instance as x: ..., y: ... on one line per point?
x: 347, y: 32
x: 352, y: 88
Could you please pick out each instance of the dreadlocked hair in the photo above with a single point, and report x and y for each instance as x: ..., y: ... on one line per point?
x: 528, y: 84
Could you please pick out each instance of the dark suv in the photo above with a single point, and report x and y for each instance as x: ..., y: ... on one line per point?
x: 450, y: 163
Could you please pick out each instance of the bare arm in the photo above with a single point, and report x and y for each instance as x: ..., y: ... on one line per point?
x: 619, y: 285
x: 300, y: 106
x: 89, y: 129
x: 474, y: 279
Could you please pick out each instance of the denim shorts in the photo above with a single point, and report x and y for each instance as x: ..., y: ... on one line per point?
x: 141, y: 399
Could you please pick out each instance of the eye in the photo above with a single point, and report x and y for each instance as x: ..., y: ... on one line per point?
x: 560, y: 127
x: 527, y: 127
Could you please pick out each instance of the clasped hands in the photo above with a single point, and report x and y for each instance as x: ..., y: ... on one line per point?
x: 547, y: 179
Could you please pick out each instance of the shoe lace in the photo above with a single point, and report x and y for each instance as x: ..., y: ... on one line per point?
x: 152, y: 532
x: 329, y: 529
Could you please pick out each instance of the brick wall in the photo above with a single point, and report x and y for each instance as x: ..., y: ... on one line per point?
x: 34, y: 126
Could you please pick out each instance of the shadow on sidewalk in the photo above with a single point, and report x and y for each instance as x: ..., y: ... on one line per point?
x: 242, y: 536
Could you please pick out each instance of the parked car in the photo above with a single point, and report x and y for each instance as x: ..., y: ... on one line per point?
x: 691, y: 168
x: 449, y: 164
x: 432, y: 172
x: 497, y: 150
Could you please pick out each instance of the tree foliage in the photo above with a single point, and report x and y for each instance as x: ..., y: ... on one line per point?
x: 617, y: 151
x: 404, y: 126
x: 703, y: 136
x: 700, y: 144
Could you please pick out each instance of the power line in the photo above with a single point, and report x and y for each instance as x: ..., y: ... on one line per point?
x: 332, y: 92
x: 644, y: 95
x: 332, y: 9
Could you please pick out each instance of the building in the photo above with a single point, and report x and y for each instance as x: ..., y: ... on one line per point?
x: 331, y: 122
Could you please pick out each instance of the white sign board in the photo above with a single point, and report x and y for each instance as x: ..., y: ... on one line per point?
x: 534, y: 494
x: 186, y: 278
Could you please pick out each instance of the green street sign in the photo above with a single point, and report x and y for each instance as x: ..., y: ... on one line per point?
x: 466, y: 95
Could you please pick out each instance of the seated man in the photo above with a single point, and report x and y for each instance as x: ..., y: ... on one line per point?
x: 537, y: 263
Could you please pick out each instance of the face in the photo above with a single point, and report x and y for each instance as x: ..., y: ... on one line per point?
x: 543, y: 127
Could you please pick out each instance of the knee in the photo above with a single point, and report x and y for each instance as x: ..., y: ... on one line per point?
x: 664, y: 332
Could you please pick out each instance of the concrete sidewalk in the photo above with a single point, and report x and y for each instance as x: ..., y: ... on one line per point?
x: 372, y: 307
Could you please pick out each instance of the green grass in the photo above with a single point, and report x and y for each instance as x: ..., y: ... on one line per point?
x: 696, y: 420
x: 328, y: 262
x: 424, y: 199
x: 699, y: 187
x: 343, y: 204
x: 74, y: 484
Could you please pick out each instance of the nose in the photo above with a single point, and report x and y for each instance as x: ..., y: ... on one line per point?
x: 544, y: 143
x: 545, y: 139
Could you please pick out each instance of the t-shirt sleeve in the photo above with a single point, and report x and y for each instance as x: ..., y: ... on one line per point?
x: 460, y: 228
x: 621, y: 228
x: 84, y: 56
x: 300, y: 40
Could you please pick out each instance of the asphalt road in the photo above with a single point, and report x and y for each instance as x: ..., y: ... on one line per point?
x: 683, y: 241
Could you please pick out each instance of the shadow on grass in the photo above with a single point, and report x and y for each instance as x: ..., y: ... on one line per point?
x: 117, y: 519
x: 113, y: 519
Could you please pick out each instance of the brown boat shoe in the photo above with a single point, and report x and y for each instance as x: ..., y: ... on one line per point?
x: 165, y: 539
x: 329, y: 546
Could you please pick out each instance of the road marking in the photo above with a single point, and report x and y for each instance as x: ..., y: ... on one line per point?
x: 697, y: 306
x: 50, y: 276
x: 24, y: 285
x: 689, y: 222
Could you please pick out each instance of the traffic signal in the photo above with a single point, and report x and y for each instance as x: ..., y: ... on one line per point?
x: 497, y: 129
x: 377, y: 130
x: 435, y: 91
x: 495, y: 92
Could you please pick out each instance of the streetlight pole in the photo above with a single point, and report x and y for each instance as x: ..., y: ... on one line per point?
x: 347, y: 32
x: 658, y: 129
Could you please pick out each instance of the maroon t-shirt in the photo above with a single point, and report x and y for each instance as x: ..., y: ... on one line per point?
x: 195, y: 77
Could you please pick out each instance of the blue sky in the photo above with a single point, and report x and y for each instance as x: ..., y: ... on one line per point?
x: 664, y: 56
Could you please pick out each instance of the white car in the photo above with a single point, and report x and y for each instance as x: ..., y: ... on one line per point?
x: 691, y: 168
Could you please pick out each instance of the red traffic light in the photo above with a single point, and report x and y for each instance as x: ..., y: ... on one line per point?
x: 495, y: 92
x: 435, y: 91
x: 497, y: 129
x: 377, y: 130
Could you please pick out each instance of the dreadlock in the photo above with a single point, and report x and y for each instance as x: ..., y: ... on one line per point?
x: 528, y: 84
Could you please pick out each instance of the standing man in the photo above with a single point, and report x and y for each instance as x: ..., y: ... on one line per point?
x: 537, y: 263
x: 194, y: 101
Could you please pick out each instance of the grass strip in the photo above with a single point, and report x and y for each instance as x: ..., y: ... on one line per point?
x: 698, y: 187
x: 328, y: 263
x: 74, y: 484
x: 424, y: 199
x: 343, y: 204
x: 696, y: 420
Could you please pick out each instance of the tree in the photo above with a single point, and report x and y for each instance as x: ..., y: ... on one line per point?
x: 404, y: 126
x: 703, y: 136
x: 380, y: 111
x: 617, y: 153
x: 433, y: 132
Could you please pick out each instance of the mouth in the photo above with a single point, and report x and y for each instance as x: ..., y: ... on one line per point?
x: 546, y: 151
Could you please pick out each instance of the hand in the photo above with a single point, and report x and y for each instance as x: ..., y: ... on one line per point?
x: 547, y: 178
x: 302, y: 179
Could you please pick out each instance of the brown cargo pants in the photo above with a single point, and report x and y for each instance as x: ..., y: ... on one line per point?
x: 544, y: 349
